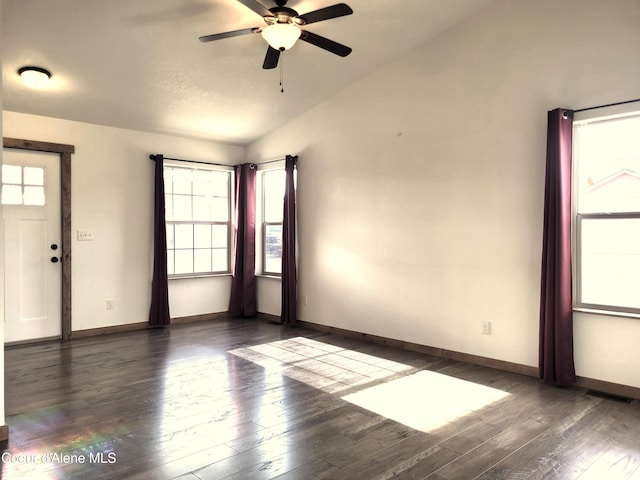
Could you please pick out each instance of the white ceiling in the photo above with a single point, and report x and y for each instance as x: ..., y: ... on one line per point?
x: 138, y: 64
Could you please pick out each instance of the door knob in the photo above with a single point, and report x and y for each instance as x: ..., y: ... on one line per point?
x: 54, y: 246
x: 55, y: 259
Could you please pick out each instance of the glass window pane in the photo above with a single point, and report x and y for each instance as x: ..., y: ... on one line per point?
x: 202, y: 196
x: 202, y: 182
x: 168, y: 207
x: 273, y: 265
x: 220, y: 184
x: 202, y: 236
x: 11, y: 195
x: 202, y: 260
x: 182, y: 181
x: 610, y: 262
x: 170, y: 236
x: 168, y: 180
x: 182, y: 207
x: 34, y: 176
x: 274, y: 182
x: 170, y: 258
x: 12, y: 174
x: 202, y: 209
x: 220, y: 236
x: 184, y: 236
x: 34, y: 196
x: 273, y: 249
x: 220, y: 260
x: 183, y: 261
x: 220, y: 209
x: 608, y: 159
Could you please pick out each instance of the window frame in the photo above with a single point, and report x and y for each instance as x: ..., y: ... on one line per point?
x: 194, y: 166
x: 273, y: 167
x: 618, y: 112
x: 23, y: 185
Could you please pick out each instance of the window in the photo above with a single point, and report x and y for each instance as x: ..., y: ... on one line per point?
x: 198, y: 213
x: 607, y: 213
x: 273, y: 184
x: 23, y: 185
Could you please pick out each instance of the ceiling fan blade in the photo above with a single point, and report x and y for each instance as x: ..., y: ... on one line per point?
x: 337, y: 10
x: 235, y: 33
x: 325, y: 43
x: 256, y: 7
x: 271, y: 58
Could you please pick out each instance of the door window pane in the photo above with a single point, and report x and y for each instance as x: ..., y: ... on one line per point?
x: 34, y: 195
x: 34, y: 176
x: 23, y: 185
x: 12, y: 174
x: 11, y: 195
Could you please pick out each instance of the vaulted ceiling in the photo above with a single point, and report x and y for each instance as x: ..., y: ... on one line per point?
x: 138, y: 64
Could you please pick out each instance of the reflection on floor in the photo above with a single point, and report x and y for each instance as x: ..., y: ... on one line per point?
x: 321, y: 365
x: 423, y: 400
x: 426, y: 400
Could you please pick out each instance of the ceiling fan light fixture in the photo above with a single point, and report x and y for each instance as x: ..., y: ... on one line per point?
x: 281, y: 36
x: 34, y: 77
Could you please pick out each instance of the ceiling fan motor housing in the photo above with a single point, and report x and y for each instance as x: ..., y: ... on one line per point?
x: 284, y: 15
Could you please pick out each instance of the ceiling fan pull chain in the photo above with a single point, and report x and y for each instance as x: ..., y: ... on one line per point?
x: 282, y: 73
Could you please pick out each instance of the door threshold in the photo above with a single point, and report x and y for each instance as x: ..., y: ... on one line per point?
x: 18, y: 343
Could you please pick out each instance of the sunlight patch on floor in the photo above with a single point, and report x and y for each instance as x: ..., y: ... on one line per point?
x: 426, y: 400
x: 321, y: 365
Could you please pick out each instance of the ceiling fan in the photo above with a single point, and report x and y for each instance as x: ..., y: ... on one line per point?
x: 284, y: 28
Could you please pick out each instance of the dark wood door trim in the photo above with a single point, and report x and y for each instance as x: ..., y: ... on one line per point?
x: 64, y: 151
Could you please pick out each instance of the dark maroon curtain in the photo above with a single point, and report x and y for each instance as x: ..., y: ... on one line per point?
x: 556, y: 315
x: 243, y: 302
x: 159, y: 311
x: 289, y: 276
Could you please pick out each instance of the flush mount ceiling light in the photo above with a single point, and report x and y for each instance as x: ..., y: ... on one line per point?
x: 34, y: 77
x: 281, y: 36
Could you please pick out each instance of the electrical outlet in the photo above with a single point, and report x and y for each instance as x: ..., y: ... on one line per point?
x: 109, y: 303
x: 486, y: 327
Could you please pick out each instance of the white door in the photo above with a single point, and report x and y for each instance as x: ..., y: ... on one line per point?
x: 31, y: 216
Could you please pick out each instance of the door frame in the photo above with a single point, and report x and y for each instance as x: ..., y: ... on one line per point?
x: 64, y: 152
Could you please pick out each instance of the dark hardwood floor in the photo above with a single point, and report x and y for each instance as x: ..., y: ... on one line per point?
x: 247, y: 399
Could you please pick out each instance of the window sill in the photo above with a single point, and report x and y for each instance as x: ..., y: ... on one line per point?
x: 608, y: 313
x: 202, y: 275
x: 273, y: 277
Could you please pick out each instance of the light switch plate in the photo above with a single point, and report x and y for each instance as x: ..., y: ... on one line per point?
x: 84, y: 235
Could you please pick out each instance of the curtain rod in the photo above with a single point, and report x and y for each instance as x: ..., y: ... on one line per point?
x: 153, y: 157
x: 271, y: 161
x: 608, y: 105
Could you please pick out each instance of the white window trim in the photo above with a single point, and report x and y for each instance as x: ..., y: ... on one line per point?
x: 582, y: 118
x: 260, y: 240
x: 231, y: 223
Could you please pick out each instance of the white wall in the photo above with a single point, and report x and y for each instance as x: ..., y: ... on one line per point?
x: 2, y: 419
x: 112, y: 195
x: 421, y: 186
